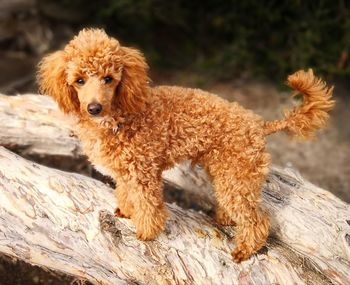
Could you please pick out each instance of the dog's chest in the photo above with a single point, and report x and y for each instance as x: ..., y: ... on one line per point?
x: 93, y: 148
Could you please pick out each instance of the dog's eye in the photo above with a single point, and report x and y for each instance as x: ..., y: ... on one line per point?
x: 107, y: 79
x: 80, y: 81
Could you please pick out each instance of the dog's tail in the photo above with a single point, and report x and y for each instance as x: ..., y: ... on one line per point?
x: 312, y: 114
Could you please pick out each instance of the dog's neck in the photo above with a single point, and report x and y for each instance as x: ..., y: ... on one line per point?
x: 113, y: 123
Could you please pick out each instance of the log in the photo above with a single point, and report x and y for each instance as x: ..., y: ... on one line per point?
x: 33, y: 125
x: 64, y: 221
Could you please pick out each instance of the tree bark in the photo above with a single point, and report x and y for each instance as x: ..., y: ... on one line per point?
x: 64, y: 221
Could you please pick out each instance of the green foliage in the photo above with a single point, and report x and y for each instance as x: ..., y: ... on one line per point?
x: 269, y: 38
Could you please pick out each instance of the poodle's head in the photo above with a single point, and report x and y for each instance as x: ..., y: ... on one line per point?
x: 94, y: 75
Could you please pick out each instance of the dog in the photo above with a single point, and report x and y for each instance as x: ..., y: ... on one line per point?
x: 133, y: 132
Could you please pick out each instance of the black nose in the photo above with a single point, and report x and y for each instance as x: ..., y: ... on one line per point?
x: 94, y: 108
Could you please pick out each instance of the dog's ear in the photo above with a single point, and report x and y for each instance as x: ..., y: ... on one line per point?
x: 52, y: 81
x: 133, y: 87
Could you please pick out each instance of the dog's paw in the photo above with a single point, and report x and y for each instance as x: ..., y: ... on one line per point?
x: 149, y: 231
x: 146, y: 236
x: 240, y: 254
x: 221, y: 218
x: 149, y: 224
x: 118, y: 213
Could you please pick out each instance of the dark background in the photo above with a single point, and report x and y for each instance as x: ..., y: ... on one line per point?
x: 222, y: 38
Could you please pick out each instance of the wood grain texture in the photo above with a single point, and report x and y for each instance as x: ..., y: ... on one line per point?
x: 64, y: 221
x: 34, y: 125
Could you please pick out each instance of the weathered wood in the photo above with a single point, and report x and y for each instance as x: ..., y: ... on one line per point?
x: 64, y: 221
x: 34, y: 125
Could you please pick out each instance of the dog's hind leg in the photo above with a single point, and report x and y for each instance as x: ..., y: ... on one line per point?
x: 222, y: 218
x: 237, y: 182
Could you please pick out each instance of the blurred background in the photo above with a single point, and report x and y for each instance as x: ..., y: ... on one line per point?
x: 240, y: 50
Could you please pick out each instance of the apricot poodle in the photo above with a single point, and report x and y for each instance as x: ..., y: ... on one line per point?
x: 133, y: 132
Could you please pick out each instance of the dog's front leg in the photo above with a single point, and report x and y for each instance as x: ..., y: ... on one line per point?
x: 125, y: 207
x: 149, y: 213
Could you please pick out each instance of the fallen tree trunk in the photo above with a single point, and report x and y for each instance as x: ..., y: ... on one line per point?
x: 34, y: 125
x: 64, y: 221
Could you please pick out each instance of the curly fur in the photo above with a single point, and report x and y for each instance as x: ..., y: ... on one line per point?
x: 143, y: 130
x: 312, y: 114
